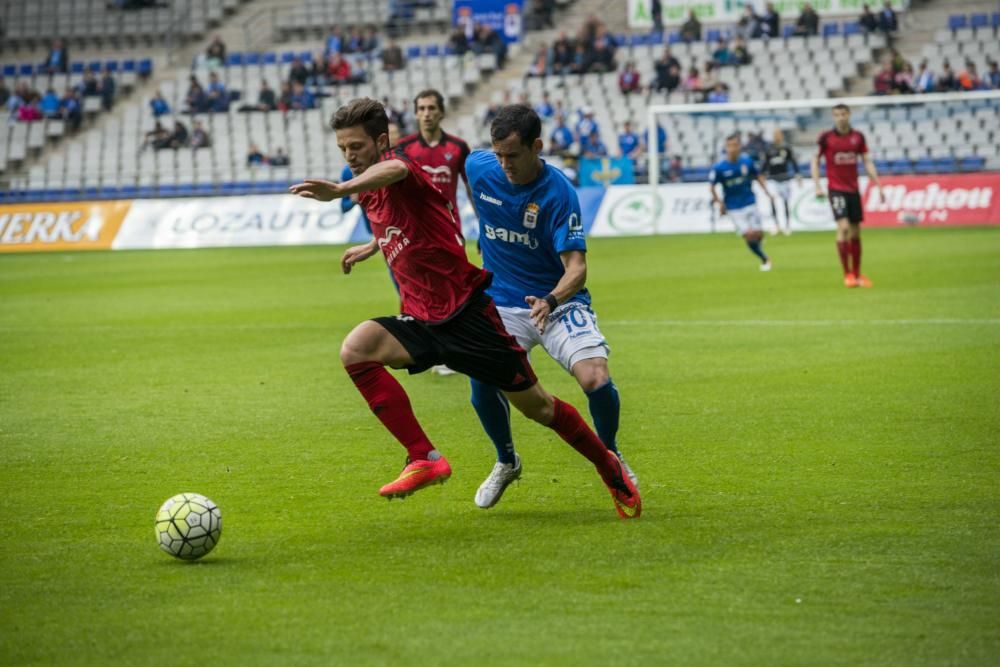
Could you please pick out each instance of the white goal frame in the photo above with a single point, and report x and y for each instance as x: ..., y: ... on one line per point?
x: 655, y: 111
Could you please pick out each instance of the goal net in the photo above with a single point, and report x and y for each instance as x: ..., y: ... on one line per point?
x: 937, y: 155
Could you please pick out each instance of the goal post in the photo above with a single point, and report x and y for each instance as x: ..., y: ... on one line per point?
x: 915, y: 137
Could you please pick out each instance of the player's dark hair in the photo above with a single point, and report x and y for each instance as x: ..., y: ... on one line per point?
x: 518, y: 118
x: 365, y: 112
x: 430, y: 92
x: 734, y: 135
x: 842, y: 107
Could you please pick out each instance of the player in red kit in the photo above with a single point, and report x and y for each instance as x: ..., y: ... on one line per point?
x: 439, y: 154
x: 840, y: 147
x: 447, y: 316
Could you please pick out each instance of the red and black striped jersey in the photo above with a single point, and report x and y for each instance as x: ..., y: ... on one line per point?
x: 444, y: 162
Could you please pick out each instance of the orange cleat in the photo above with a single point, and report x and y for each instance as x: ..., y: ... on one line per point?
x: 418, y: 475
x: 862, y: 281
x: 628, y: 504
x: 850, y: 280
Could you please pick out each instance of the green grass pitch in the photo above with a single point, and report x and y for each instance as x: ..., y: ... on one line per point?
x: 819, y: 467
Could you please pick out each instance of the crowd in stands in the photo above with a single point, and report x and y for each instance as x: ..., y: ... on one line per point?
x: 591, y: 50
x: 898, y: 77
x: 159, y: 138
x: 24, y: 103
x: 256, y: 157
x: 478, y: 39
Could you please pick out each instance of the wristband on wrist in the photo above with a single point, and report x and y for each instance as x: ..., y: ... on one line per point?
x: 551, y: 300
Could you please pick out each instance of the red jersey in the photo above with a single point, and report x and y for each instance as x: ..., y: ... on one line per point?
x: 415, y: 227
x: 841, y: 152
x: 444, y: 163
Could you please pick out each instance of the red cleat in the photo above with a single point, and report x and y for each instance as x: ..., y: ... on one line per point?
x: 862, y: 281
x: 850, y: 280
x: 628, y: 504
x: 417, y: 475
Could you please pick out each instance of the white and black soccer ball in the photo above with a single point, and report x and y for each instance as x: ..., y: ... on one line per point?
x: 188, y: 526
x: 910, y: 217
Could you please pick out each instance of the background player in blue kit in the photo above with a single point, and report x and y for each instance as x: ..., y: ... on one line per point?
x: 736, y: 173
x: 532, y: 240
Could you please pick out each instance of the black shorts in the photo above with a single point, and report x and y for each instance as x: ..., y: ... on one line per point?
x: 846, y: 205
x: 474, y: 342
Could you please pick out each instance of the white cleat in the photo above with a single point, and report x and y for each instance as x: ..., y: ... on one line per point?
x: 492, y: 489
x: 628, y: 470
x: 766, y: 266
x: 441, y: 369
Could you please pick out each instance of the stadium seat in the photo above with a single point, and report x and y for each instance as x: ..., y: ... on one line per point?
x: 945, y: 164
x: 995, y: 19
x: 924, y: 165
x: 9, y: 71
x: 270, y: 58
x: 852, y: 28
x: 831, y: 29
x: 972, y: 163
x: 251, y: 59
x: 956, y: 21
x: 234, y: 59
x: 145, y: 67
x: 788, y: 31
x: 26, y: 70
x: 979, y: 20
x: 76, y: 68
x: 674, y: 38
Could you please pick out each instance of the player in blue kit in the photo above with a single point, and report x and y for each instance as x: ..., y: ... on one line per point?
x: 736, y: 173
x: 532, y: 240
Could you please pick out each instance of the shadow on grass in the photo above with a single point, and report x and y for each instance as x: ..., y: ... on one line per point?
x: 208, y: 561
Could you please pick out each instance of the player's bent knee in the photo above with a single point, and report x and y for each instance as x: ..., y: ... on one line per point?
x: 591, y: 374
x: 361, y: 344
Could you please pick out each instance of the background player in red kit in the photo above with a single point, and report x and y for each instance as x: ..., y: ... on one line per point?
x: 840, y: 147
x: 438, y: 153
x: 447, y: 316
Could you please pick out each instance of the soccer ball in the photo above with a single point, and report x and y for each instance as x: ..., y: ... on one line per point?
x: 188, y: 526
x: 910, y: 217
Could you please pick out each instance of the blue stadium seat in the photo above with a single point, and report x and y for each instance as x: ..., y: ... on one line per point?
x: 305, y: 56
x: 204, y: 188
x: 972, y: 163
x: 234, y: 59
x: 251, y: 58
x: 76, y: 68
x: 956, y: 21
x: 128, y: 191
x: 110, y: 192
x: 270, y: 58
x: 167, y: 190
x: 924, y: 165
x: 995, y: 19
x: 90, y: 192
x: 900, y: 166
x: 287, y: 57
x: 26, y: 69
x: 448, y: 51
x: 674, y: 38
x: 882, y: 166
x: 128, y: 65
x: 788, y: 31
x: 945, y: 164
x: 979, y: 20
x: 656, y: 38
x: 145, y: 191
x: 713, y: 35
x: 433, y: 50
x: 111, y: 66
x: 412, y: 52
x: 852, y: 28
x: 9, y: 71
x: 831, y: 29
x: 94, y: 66
x: 145, y: 67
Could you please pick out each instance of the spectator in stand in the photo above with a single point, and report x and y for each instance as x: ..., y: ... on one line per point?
x: 539, y: 14
x: 808, y: 21
x: 667, y: 69
x: 887, y: 21
x: 885, y: 79
x: 49, y: 105
x: 199, y: 137
x: 215, y: 54
x: 540, y: 64
x: 718, y: 95
x: 280, y: 158
x: 334, y: 41
x: 924, y: 80
x: 661, y: 139
x: 159, y: 105
x: 993, y: 76
x: 868, y: 21
x: 29, y: 112
x: 458, y: 42
x: 739, y: 54
x: 969, y: 79
x: 721, y: 56
x: 72, y: 110
x: 489, y: 40
x: 370, y: 40
x: 581, y: 60
x: 770, y: 22
x: 586, y: 125
x: 57, y: 61
x: 299, y: 73
x: 628, y: 80
x: 89, y: 86
x: 709, y: 78
x: 903, y: 82
x: 392, y: 57
x: 561, y: 139
x: 301, y: 98
x: 266, y: 100
x: 354, y: 42
x: 179, y: 137
x: 195, y: 100
x: 254, y: 156
x: 947, y: 81
x: 4, y: 92
x: 107, y: 88
x: 15, y: 100
x: 338, y: 71
x: 217, y: 96
x: 158, y: 138
x: 629, y: 142
x: 691, y: 29
x: 897, y: 60
x: 674, y: 169
x: 692, y: 82
x: 285, y: 99
x: 592, y: 146
x: 562, y: 58
x: 544, y: 109
x: 749, y: 26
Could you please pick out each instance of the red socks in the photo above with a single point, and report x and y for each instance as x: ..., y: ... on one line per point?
x: 570, y: 426
x: 845, y: 255
x: 854, y: 247
x: 389, y: 402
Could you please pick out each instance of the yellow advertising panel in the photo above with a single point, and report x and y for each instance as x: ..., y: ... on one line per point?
x: 61, y: 226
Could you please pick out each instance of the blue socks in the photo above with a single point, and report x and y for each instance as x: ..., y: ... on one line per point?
x: 605, y: 408
x: 494, y: 414
x: 757, y: 250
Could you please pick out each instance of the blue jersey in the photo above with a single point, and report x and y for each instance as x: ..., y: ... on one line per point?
x: 523, y: 228
x: 346, y: 203
x: 737, y: 181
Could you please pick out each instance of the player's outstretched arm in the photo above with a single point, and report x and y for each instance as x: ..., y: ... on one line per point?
x: 358, y: 253
x: 573, y: 279
x: 815, y: 176
x: 376, y: 176
x: 873, y: 174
